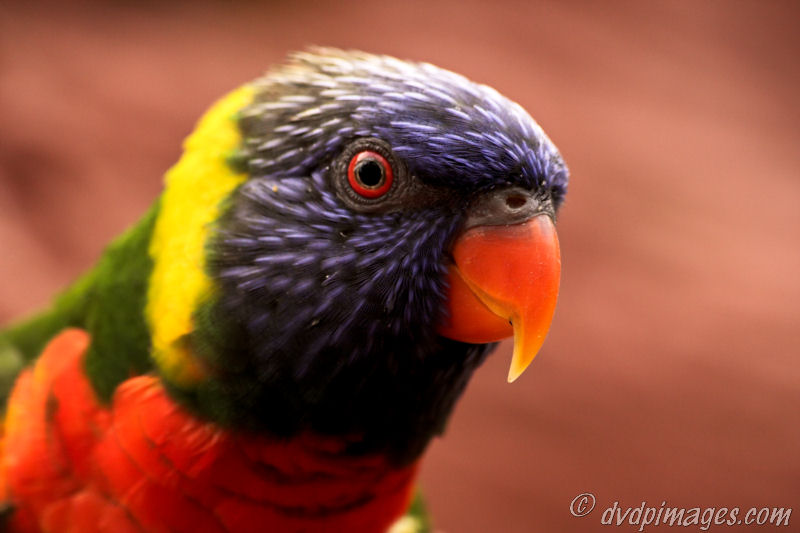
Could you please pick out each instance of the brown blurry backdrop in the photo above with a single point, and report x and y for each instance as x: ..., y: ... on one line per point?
x: 671, y: 371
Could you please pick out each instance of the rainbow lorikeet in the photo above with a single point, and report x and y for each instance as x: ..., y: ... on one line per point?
x: 272, y: 347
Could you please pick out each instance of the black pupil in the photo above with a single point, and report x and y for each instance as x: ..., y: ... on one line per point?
x: 370, y: 173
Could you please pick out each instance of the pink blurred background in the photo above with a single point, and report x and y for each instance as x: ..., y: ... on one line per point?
x: 671, y: 371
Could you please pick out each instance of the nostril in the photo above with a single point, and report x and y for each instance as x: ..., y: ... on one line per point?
x: 515, y: 201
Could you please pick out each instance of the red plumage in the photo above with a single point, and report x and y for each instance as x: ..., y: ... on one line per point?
x: 143, y: 463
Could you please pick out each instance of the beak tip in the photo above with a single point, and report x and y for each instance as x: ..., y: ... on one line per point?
x: 515, y: 371
x: 524, y: 352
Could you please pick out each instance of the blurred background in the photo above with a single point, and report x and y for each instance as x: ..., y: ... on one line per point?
x: 671, y: 372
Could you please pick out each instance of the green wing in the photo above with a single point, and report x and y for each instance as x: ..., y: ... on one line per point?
x: 108, y: 302
x: 11, y: 362
x: 22, y: 342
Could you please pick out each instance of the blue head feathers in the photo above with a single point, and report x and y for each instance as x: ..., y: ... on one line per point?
x: 327, y: 303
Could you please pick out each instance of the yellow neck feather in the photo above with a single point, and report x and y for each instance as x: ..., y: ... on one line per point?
x: 195, y: 188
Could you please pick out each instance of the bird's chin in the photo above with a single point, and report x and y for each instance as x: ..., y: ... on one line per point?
x: 504, y: 281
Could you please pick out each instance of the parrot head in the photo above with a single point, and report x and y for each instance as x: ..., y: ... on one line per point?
x: 395, y: 221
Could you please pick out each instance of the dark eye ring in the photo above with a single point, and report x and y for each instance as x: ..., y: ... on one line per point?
x: 370, y: 174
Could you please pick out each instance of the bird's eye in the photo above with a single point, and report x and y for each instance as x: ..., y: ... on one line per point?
x: 370, y: 174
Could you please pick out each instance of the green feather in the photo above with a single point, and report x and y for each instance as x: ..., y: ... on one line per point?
x: 109, y: 303
x: 419, y: 512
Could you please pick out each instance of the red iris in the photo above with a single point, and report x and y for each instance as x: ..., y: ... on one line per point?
x: 370, y: 174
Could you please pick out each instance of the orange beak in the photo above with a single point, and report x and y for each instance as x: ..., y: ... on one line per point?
x: 505, y: 282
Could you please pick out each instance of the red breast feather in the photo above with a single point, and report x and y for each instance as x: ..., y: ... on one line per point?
x: 143, y: 463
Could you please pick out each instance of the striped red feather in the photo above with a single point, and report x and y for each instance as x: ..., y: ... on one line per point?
x: 143, y: 463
